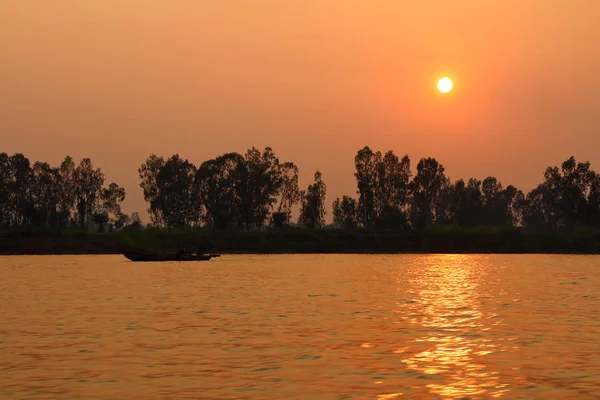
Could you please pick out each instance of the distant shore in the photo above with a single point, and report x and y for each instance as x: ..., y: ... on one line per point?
x: 441, y: 239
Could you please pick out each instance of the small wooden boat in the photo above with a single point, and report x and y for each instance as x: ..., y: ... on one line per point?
x: 150, y: 257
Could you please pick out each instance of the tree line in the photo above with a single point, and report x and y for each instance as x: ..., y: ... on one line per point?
x: 390, y: 197
x: 68, y: 195
x: 232, y: 191
x: 252, y: 190
x: 249, y: 191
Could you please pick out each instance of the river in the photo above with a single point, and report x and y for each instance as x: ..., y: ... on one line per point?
x: 301, y: 327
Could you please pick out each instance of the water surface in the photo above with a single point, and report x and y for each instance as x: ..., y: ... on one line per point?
x: 301, y: 327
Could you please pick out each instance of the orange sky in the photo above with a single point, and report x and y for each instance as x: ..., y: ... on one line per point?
x: 314, y: 79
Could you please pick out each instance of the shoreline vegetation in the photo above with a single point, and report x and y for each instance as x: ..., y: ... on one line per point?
x: 447, y: 239
x: 242, y: 203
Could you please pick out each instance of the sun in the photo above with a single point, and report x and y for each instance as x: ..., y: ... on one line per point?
x: 445, y: 85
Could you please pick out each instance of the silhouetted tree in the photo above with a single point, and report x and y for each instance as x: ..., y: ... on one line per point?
x: 66, y: 189
x: 136, y: 221
x: 111, y: 198
x: 148, y: 173
x: 289, y: 193
x: 220, y: 183
x: 129, y: 222
x: 427, y: 187
x: 592, y: 215
x: 345, y: 213
x: 505, y: 210
x: 20, y: 179
x: 392, y: 194
x: 312, y: 213
x: 40, y: 195
x: 235, y: 191
x: 566, y: 199
x: 261, y: 187
x: 88, y: 183
x: 100, y: 218
x: 538, y: 209
x: 444, y: 207
x: 5, y: 195
x: 240, y: 191
x: 176, y: 199
x: 383, y: 188
x: 45, y: 194
x: 123, y: 221
x: 576, y: 180
x: 169, y: 188
x: 468, y: 203
x: 366, y: 163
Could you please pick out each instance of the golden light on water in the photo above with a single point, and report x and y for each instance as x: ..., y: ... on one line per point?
x: 445, y: 307
x: 386, y: 327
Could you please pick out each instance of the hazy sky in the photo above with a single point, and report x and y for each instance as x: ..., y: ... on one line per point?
x: 314, y: 79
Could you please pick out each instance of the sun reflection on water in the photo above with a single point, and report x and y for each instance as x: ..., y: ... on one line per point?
x: 446, y: 312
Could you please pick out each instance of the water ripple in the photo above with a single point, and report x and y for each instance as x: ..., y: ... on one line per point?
x: 298, y: 327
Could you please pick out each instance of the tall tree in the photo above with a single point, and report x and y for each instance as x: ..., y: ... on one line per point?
x: 111, y: 198
x: 312, y: 213
x: 492, y: 207
x: 264, y: 182
x: 562, y: 201
x: 345, y: 212
x: 66, y: 189
x: 88, y: 183
x: 538, y: 209
x: 383, y: 188
x: 175, y: 197
x: 5, y: 195
x: 445, y: 207
x: 392, y: 191
x: 510, y: 199
x: 471, y: 204
x: 148, y: 173
x: 593, y: 204
x: 45, y: 194
x: 498, y: 209
x: 576, y: 179
x: 219, y: 184
x: 20, y: 182
x: 366, y: 163
x: 427, y: 187
x: 289, y: 193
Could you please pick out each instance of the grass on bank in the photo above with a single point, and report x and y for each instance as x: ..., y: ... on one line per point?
x: 447, y: 239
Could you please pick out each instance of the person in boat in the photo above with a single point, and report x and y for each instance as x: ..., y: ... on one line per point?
x: 180, y: 252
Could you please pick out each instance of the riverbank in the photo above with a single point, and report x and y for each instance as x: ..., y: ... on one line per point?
x: 436, y: 240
